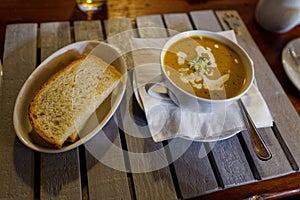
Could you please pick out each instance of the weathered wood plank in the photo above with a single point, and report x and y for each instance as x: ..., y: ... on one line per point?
x: 148, y: 161
x: 60, y: 176
x: 231, y: 162
x: 88, y: 30
x: 177, y: 22
x: 151, y: 26
x: 106, y: 180
x: 107, y: 177
x: 54, y: 37
x: 194, y: 172
x: 198, y: 19
x: 60, y: 173
x: 118, y: 33
x: 230, y: 159
x: 17, y: 161
x: 285, y: 116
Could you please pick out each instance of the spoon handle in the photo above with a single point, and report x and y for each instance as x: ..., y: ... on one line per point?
x: 260, y: 148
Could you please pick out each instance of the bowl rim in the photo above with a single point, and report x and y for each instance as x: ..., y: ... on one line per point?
x: 215, y: 35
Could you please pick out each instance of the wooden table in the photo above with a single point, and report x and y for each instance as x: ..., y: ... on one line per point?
x: 229, y: 171
x: 16, y: 11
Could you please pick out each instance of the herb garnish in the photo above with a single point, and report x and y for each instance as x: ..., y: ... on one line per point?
x: 199, y: 64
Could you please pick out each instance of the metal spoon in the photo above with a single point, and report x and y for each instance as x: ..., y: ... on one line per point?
x: 260, y: 148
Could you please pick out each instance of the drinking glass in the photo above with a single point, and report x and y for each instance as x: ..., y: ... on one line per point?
x: 90, y: 5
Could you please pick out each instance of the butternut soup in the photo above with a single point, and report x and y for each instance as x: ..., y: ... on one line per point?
x: 206, y: 67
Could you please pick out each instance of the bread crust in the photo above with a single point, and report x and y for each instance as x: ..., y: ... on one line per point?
x: 71, y: 134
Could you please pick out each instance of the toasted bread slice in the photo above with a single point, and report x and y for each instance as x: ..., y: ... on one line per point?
x: 64, y: 103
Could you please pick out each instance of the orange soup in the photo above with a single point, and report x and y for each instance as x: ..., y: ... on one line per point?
x: 205, y: 67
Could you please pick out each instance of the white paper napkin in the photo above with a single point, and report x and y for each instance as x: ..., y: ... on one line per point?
x: 166, y: 120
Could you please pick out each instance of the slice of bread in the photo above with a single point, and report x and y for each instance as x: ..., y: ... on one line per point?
x: 64, y: 103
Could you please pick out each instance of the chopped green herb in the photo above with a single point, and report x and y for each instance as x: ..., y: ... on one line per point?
x: 199, y: 64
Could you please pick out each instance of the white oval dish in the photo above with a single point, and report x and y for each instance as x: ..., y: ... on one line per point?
x: 50, y: 66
